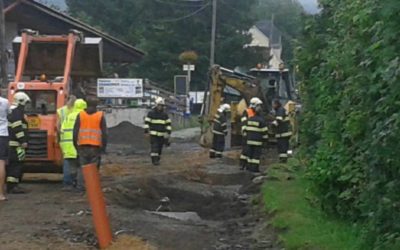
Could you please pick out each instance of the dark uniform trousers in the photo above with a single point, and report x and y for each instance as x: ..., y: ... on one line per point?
x: 254, y: 156
x: 156, y: 144
x: 283, y: 147
x: 218, y: 146
x: 14, y: 166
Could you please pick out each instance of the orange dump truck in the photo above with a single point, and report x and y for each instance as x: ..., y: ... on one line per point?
x: 48, y: 69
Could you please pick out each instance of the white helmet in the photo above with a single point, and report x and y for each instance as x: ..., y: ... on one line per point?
x: 255, y: 101
x: 225, y: 107
x: 160, y: 101
x: 20, y: 98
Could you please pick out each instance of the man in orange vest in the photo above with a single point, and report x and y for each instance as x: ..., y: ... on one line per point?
x: 90, y: 133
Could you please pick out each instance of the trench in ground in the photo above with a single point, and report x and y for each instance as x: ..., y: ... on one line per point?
x: 212, y: 196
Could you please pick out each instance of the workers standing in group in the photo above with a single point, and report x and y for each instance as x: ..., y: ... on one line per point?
x: 256, y: 135
x: 68, y: 149
x: 283, y: 132
x: 248, y: 113
x: 219, y: 131
x: 90, y: 134
x: 17, y: 130
x: 4, y: 110
x: 62, y: 113
x: 158, y: 127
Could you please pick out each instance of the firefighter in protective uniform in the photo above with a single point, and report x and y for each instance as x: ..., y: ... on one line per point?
x: 219, y: 131
x: 248, y: 113
x: 17, y: 130
x: 283, y: 132
x: 256, y: 135
x: 158, y: 126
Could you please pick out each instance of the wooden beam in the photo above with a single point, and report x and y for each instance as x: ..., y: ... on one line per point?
x: 11, y: 7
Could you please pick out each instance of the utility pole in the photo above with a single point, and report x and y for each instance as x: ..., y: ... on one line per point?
x: 3, y: 57
x: 213, y: 30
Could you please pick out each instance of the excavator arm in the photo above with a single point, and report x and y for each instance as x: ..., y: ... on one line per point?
x: 221, y: 77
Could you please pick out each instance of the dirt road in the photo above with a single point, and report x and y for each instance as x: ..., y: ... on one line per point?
x: 210, y: 205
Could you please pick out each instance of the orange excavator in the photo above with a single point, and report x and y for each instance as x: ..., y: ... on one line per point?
x: 48, y: 68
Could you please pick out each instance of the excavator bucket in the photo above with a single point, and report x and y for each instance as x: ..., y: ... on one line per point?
x: 49, y: 58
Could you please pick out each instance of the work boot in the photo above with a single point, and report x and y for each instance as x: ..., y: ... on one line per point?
x: 17, y: 190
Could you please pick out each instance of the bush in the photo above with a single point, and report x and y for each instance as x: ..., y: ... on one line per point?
x: 349, y: 59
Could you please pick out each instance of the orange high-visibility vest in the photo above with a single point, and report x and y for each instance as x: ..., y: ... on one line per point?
x: 90, y: 129
x: 250, y: 112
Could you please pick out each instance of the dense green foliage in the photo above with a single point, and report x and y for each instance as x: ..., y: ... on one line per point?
x: 166, y: 28
x: 351, y: 128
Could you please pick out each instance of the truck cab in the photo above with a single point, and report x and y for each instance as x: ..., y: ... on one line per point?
x: 47, y: 69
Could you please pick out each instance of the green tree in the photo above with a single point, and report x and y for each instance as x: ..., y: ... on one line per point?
x: 349, y: 58
x: 166, y: 28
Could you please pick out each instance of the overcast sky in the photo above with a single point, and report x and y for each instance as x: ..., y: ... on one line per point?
x: 310, y: 6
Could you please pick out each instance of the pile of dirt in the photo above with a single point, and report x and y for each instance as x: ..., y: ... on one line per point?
x: 128, y: 134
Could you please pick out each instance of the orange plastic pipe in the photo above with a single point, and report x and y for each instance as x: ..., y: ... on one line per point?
x: 98, y: 205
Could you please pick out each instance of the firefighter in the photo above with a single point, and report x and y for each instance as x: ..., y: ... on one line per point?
x: 248, y: 113
x: 90, y: 134
x: 68, y: 149
x: 219, y: 131
x: 256, y: 134
x: 158, y: 126
x: 283, y: 132
x: 17, y: 130
x: 62, y: 113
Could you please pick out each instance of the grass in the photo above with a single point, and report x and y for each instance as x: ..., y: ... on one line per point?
x: 302, y: 225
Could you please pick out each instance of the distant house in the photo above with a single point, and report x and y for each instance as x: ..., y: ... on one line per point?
x: 266, y: 35
x: 30, y: 14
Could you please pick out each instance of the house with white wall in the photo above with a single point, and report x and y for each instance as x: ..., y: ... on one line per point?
x: 266, y: 35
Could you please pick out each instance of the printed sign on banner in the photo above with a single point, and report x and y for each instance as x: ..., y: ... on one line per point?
x: 119, y: 88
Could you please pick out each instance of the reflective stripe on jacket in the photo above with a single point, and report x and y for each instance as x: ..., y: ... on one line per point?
x: 90, y: 129
x: 157, y: 123
x: 256, y: 130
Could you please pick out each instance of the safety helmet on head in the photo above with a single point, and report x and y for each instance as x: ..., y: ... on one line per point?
x: 21, y: 98
x: 160, y: 101
x: 225, y: 107
x: 255, y: 101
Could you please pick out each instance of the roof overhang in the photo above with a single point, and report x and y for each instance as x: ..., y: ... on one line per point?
x: 36, y: 16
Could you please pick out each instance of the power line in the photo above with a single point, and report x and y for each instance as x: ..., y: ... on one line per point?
x: 183, y: 17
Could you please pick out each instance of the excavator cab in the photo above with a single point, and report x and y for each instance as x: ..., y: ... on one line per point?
x: 47, y: 68
x: 275, y: 83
